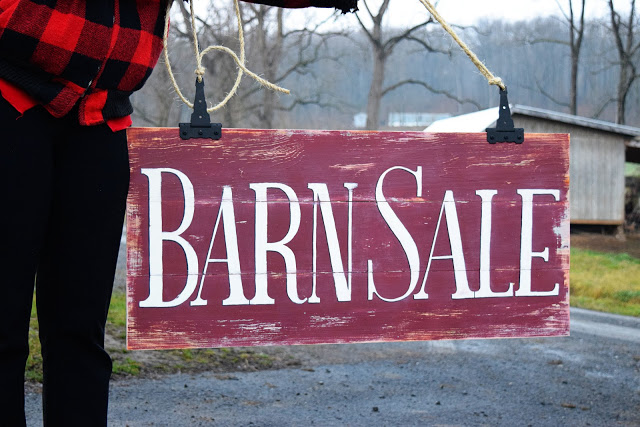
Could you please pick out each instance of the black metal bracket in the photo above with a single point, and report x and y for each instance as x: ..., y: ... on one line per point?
x: 504, y: 130
x: 200, y: 126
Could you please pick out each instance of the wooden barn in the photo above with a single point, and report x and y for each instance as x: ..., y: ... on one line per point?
x: 599, y: 150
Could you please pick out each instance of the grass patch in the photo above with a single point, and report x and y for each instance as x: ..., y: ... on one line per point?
x: 605, y: 282
x: 127, y: 366
x: 631, y: 169
x: 118, y: 310
x: 33, y: 371
x: 223, y: 357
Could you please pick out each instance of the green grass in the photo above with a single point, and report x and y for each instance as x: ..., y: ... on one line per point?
x: 605, y: 282
x: 33, y: 370
x: 223, y: 356
x: 126, y: 367
x: 631, y: 169
x: 118, y: 310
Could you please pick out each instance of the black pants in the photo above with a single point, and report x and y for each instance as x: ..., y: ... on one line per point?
x: 63, y: 190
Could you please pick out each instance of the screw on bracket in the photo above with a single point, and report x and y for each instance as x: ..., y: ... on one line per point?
x: 504, y: 130
x: 200, y: 126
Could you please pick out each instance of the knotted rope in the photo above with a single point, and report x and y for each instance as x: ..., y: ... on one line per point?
x: 493, y: 80
x: 200, y: 71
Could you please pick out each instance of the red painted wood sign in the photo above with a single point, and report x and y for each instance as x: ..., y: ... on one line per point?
x: 304, y: 237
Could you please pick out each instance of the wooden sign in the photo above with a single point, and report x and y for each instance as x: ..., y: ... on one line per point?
x: 304, y: 237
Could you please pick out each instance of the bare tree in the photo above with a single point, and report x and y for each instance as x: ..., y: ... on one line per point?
x: 157, y: 104
x: 382, y: 46
x: 627, y: 48
x: 217, y: 27
x: 576, y: 25
x: 153, y: 106
x: 280, y: 53
x: 576, y: 35
x: 273, y: 50
x: 270, y: 46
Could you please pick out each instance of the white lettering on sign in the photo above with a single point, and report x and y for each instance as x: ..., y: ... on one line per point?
x: 526, y: 244
x: 321, y: 196
x: 227, y: 215
x: 262, y: 246
x: 402, y: 234
x: 485, y: 249
x: 157, y: 236
x: 455, y: 241
x: 342, y: 277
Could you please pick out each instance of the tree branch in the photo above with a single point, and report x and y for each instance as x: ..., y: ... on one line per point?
x: 604, y: 107
x: 366, y: 31
x: 551, y: 97
x: 430, y: 89
x: 390, y: 44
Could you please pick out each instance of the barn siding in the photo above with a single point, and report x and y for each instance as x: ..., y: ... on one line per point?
x: 597, y: 170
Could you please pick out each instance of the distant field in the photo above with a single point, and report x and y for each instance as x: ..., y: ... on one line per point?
x: 605, y: 281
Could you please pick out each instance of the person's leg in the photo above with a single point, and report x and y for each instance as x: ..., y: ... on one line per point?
x: 25, y: 194
x: 75, y: 277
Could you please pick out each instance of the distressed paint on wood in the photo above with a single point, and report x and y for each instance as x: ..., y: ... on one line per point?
x: 459, y: 163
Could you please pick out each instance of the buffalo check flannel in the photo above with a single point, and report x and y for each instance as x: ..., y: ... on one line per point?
x: 90, y: 53
x: 96, y: 52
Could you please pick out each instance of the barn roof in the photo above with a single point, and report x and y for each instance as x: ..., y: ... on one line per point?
x: 576, y: 120
x: 472, y: 122
x: 480, y: 120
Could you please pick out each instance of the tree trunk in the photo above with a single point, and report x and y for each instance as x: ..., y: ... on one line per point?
x: 623, y: 91
x: 270, y: 46
x: 375, y: 91
x: 573, y: 94
x: 576, y: 31
x: 624, y: 36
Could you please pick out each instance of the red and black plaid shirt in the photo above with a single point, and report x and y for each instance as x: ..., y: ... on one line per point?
x: 64, y: 51
x: 93, y: 51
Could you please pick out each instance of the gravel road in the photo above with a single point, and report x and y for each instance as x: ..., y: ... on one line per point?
x: 590, y: 378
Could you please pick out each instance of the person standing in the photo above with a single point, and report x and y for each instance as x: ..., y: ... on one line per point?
x: 67, y: 70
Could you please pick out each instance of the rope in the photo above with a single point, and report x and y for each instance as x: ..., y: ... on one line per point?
x: 493, y: 80
x: 200, y: 71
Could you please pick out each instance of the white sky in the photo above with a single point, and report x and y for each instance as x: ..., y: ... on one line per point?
x: 404, y: 13
x: 466, y: 12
